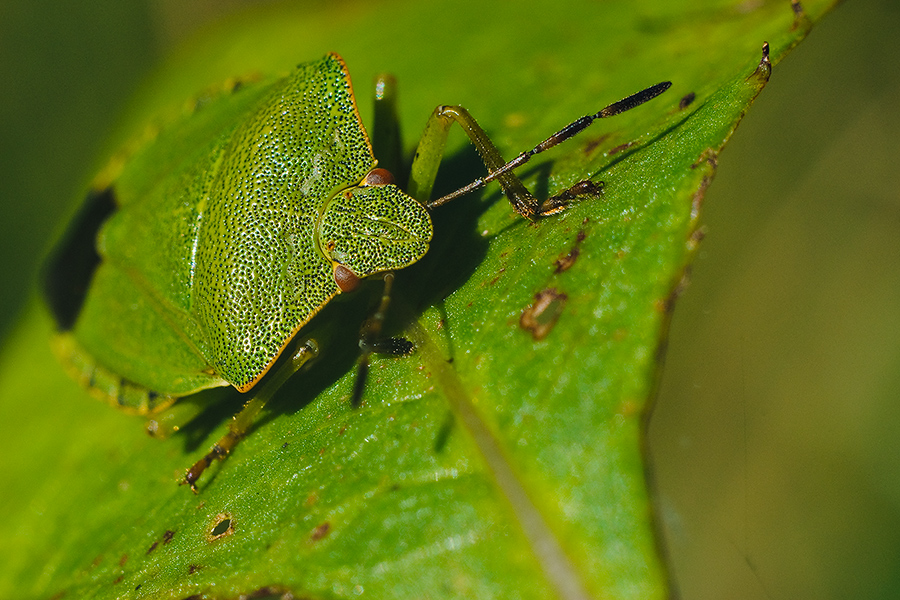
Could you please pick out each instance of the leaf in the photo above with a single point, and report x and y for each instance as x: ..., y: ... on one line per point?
x: 500, y: 460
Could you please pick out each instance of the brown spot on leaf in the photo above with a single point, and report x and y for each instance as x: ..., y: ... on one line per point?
x: 123, y: 560
x: 686, y: 100
x: 621, y: 147
x: 269, y: 591
x: 560, y: 201
x: 801, y: 19
x: 544, y: 312
x: 193, y: 569
x: 695, y: 238
x: 167, y: 536
x: 591, y: 145
x: 320, y: 531
x: 565, y: 262
x: 152, y: 547
x: 710, y: 160
x: 497, y: 278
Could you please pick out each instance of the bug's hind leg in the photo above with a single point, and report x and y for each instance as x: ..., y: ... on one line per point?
x: 242, y: 421
x: 371, y: 342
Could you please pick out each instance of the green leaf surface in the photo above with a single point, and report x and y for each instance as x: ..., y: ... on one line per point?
x: 498, y: 460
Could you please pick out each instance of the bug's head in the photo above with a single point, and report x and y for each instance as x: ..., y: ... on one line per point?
x: 371, y: 228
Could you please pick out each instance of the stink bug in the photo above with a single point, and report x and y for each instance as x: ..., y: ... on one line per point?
x: 199, y: 257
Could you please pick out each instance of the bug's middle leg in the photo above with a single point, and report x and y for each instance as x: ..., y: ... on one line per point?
x: 371, y: 342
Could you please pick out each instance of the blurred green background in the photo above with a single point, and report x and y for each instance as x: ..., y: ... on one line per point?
x: 774, y: 437
x: 776, y: 432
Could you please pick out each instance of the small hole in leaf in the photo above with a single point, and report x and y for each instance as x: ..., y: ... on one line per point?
x: 223, y: 526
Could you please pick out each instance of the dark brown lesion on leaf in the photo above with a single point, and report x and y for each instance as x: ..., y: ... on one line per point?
x: 272, y: 592
x: 686, y: 100
x: 801, y: 19
x: 565, y: 262
x: 320, y: 531
x: 540, y: 318
x: 497, y: 276
x: 592, y: 144
x: 560, y: 201
x: 621, y: 147
x: 710, y: 158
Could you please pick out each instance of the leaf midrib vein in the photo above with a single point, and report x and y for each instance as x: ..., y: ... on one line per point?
x: 556, y: 566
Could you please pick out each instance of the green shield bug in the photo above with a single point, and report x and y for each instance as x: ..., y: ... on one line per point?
x: 203, y: 250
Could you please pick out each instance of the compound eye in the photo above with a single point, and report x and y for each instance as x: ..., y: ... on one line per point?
x: 378, y: 176
x: 346, y: 280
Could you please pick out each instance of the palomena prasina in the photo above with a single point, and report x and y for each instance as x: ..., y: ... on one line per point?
x: 203, y: 251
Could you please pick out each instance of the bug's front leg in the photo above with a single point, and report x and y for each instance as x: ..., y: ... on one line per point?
x: 430, y: 152
x: 242, y: 421
x: 431, y: 149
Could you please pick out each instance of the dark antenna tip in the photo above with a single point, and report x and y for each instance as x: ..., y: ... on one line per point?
x: 633, y: 100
